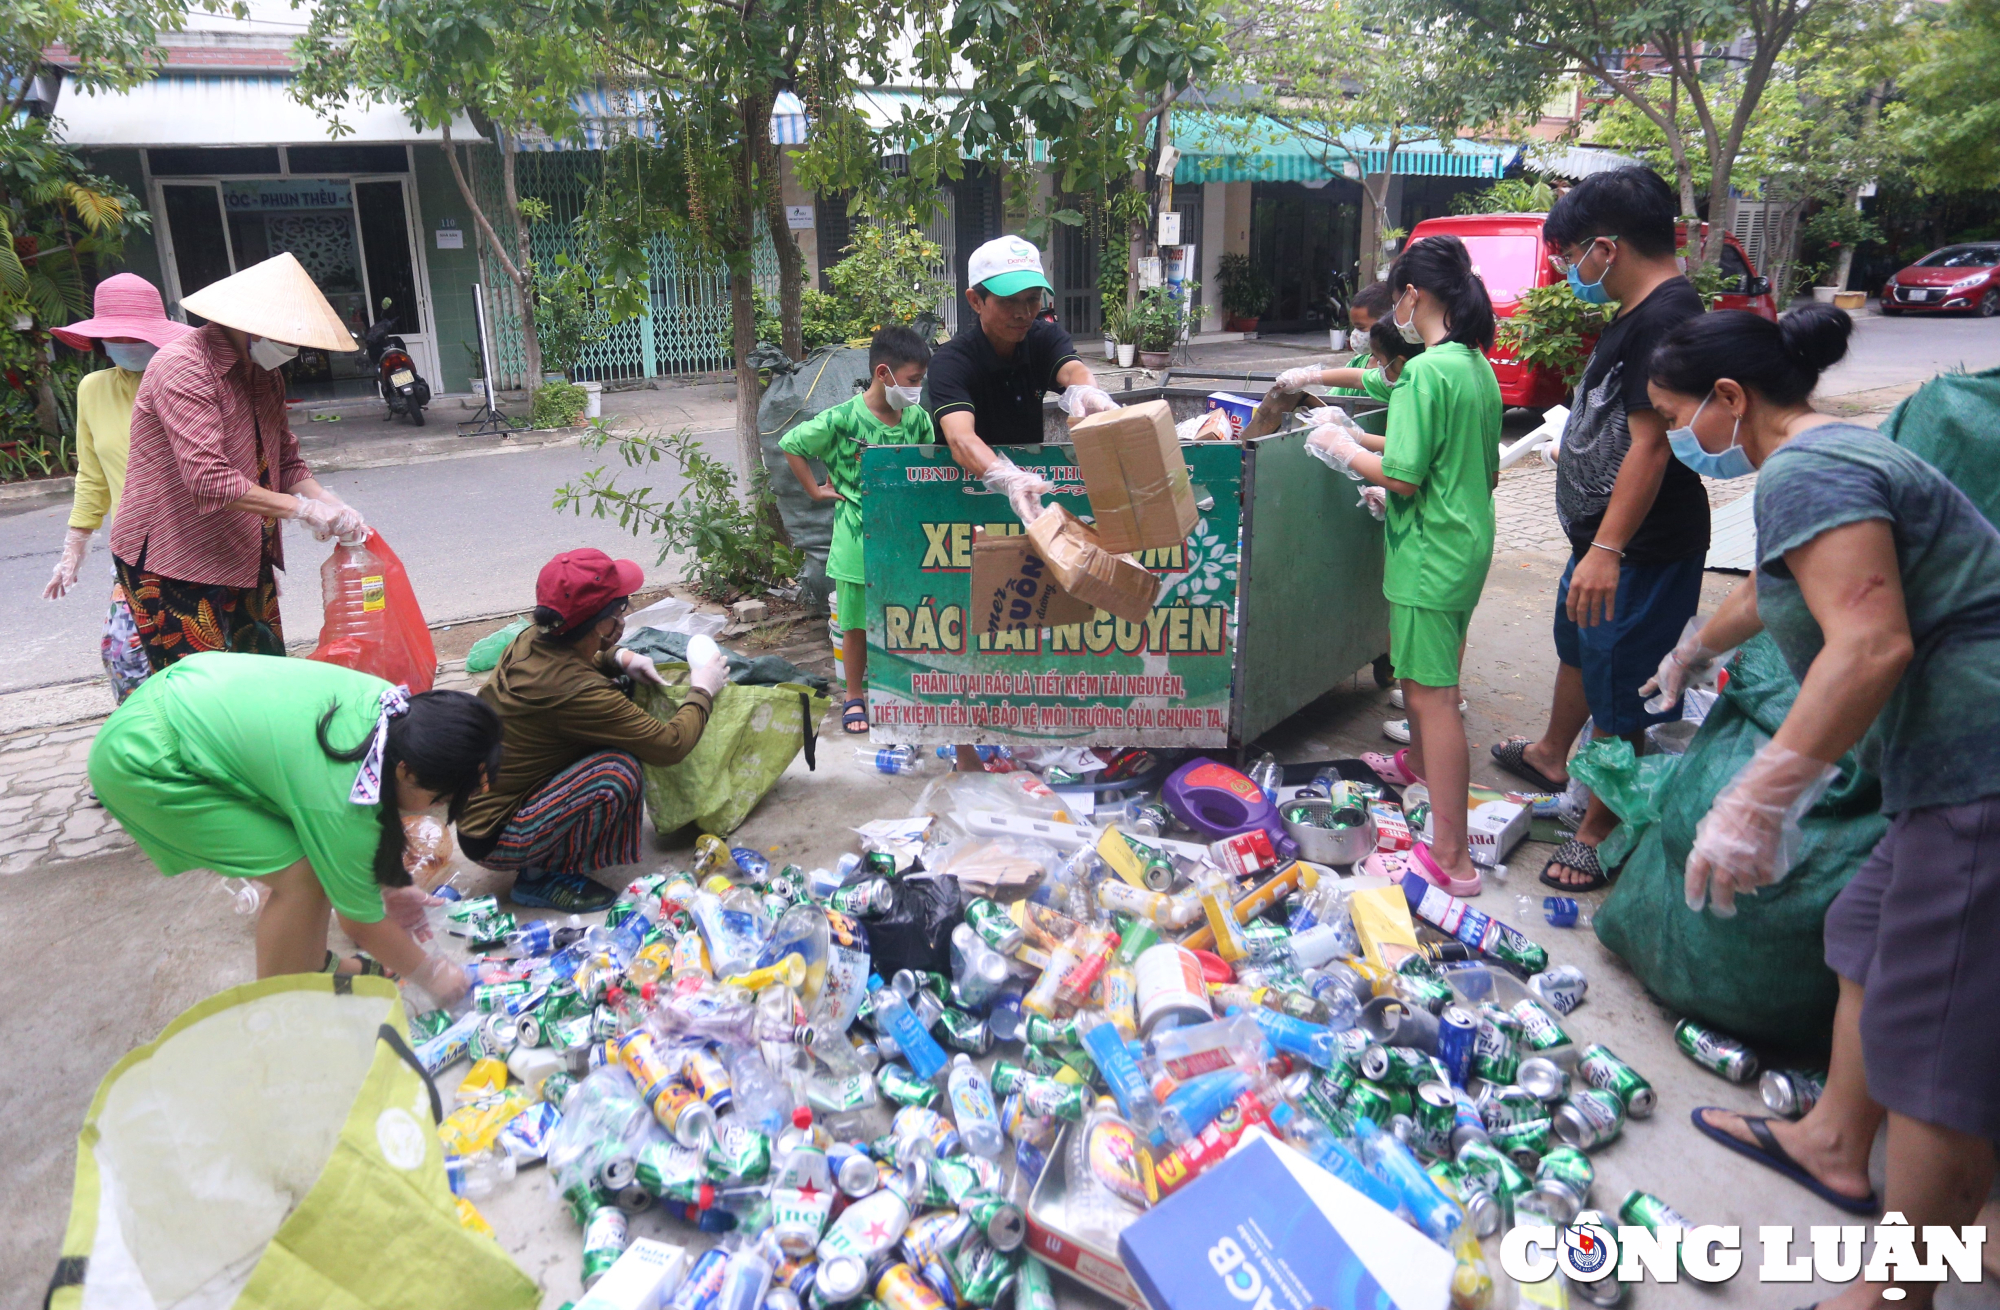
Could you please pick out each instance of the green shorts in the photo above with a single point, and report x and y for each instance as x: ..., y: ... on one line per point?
x: 1424, y: 644
x: 851, y: 604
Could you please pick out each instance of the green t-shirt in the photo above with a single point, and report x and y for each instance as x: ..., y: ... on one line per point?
x: 1937, y: 740
x: 1444, y: 436
x: 836, y: 437
x: 246, y: 723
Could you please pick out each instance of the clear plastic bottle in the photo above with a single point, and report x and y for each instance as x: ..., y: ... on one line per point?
x: 475, y: 1177
x: 748, y: 1276
x: 896, y: 1019
x: 351, y: 581
x: 759, y: 1097
x: 1436, y: 1214
x: 1268, y: 774
x: 733, y: 927
x: 891, y: 759
x: 972, y: 1108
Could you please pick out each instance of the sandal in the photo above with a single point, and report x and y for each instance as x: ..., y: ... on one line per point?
x: 1581, y: 856
x: 1769, y: 1153
x: 1391, y: 769
x: 369, y: 966
x: 854, y: 717
x: 1427, y: 868
x: 1511, y: 755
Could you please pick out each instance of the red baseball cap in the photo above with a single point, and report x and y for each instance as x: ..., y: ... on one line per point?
x: 578, y: 583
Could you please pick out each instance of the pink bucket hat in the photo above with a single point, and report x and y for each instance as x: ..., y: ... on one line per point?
x: 126, y: 305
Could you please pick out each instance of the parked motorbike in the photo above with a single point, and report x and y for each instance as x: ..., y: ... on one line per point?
x: 403, y: 388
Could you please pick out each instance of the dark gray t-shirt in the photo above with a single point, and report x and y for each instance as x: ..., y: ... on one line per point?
x: 1937, y: 741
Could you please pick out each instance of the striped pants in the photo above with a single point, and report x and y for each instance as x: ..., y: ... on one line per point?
x: 586, y: 817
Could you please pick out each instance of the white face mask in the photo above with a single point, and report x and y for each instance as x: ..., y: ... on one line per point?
x: 1408, y: 331
x: 901, y: 398
x: 132, y: 356
x: 1357, y: 339
x: 271, y: 354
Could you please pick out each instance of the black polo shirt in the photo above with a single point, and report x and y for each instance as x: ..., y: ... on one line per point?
x: 1004, y: 396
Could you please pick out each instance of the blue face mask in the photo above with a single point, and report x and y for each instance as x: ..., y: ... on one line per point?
x: 1731, y: 463
x: 132, y: 356
x: 1590, y: 293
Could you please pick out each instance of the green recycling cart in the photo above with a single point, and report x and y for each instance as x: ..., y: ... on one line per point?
x: 1273, y: 600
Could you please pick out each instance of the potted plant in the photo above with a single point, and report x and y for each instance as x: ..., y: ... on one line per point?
x: 1158, y: 322
x: 1112, y: 269
x: 1245, y: 292
x: 1117, y: 328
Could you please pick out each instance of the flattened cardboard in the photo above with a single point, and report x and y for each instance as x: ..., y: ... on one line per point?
x: 1115, y: 583
x: 1141, y: 496
x: 1014, y: 588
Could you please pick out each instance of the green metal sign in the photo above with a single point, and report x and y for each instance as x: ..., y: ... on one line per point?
x: 1106, y: 682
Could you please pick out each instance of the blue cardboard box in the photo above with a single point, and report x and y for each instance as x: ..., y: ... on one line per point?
x: 1267, y: 1229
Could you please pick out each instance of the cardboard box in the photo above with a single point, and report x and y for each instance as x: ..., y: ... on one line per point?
x: 1140, y: 493
x: 1050, y: 1239
x: 1239, y: 409
x: 1495, y: 828
x: 1088, y: 571
x: 1013, y: 588
x: 1267, y: 1228
x: 644, y: 1277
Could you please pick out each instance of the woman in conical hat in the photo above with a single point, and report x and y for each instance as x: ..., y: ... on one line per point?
x: 214, y: 468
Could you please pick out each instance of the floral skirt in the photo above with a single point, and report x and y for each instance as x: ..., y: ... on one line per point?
x: 176, y: 619
x: 123, y: 650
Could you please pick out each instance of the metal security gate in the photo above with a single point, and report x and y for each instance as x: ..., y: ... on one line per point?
x: 687, y: 329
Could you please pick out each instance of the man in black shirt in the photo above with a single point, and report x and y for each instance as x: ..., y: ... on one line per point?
x: 1636, y: 517
x: 985, y: 385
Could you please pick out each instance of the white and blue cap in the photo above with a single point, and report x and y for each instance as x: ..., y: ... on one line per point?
x: 1006, y: 266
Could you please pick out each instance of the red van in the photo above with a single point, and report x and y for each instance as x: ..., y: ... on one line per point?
x: 1508, y: 254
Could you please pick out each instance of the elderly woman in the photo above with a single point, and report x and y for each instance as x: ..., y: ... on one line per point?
x: 568, y: 800
x: 1880, y: 582
x: 128, y: 326
x: 214, y: 468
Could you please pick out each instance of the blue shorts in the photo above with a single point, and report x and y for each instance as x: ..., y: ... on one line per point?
x: 1654, y: 603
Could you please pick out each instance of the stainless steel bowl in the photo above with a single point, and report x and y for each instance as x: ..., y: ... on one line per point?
x: 1321, y: 840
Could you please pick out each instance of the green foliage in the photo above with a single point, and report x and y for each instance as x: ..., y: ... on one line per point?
x: 1114, y: 260
x: 1553, y: 329
x: 1245, y: 290
x: 1512, y: 195
x: 1157, y: 321
x: 823, y: 322
x: 889, y: 273
x: 567, y: 317
x: 1840, y: 225
x: 1949, y: 120
x: 558, y: 405
x: 1118, y: 321
x: 735, y: 545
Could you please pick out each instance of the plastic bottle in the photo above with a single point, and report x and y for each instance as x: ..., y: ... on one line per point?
x: 748, y: 1277
x: 1316, y: 1042
x: 1217, y: 904
x: 759, y: 1097
x: 357, y: 611
x: 895, y: 1017
x: 1558, y: 911
x: 1268, y: 774
x: 891, y: 759
x: 1436, y: 1214
x: 972, y: 1108
x: 730, y: 929
x: 476, y: 1176
x: 1194, y: 1104
x: 1325, y: 1150
x: 542, y: 937
x: 1120, y: 1070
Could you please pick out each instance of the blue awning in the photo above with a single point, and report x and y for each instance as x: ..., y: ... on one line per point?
x: 1257, y: 148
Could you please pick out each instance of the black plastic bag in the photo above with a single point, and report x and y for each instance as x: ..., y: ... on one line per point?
x: 916, y: 933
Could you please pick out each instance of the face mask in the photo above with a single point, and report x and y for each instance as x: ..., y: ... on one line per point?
x: 1357, y: 339
x: 271, y: 354
x: 901, y: 398
x: 1731, y: 463
x: 132, y: 356
x: 1408, y: 331
x: 1590, y: 293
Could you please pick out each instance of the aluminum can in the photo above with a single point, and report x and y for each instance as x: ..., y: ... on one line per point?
x: 1369, y: 1100
x: 1524, y: 1142
x: 1605, y: 1292
x: 932, y: 1235
x: 991, y: 921
x: 1562, y: 1184
x: 710, y: 1079
x: 1496, y: 1057
x: 1458, y: 1036
x: 1645, y: 1210
x: 1589, y: 1118
x: 1031, y: 1288
x: 1485, y: 1165
x: 870, y: 898
x: 1436, y: 1115
x: 1561, y: 986
x: 902, y: 1288
x: 1466, y: 1125
x: 1543, y: 1078
x: 702, y: 1287
x: 1600, y: 1068
x: 1790, y: 1093
x: 840, y: 1280
x: 1715, y: 1052
x: 999, y: 1221
x: 605, y: 1237
x: 904, y: 1087
x: 1396, y: 1066
x: 1538, y: 1027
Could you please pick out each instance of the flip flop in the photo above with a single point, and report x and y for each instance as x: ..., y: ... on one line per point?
x: 1427, y: 868
x: 1511, y: 755
x: 1582, y: 857
x: 1392, y: 769
x: 1775, y: 1158
x: 854, y: 717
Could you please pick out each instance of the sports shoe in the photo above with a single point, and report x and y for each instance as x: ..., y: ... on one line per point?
x: 1396, y: 700
x: 1397, y: 730
x: 572, y: 893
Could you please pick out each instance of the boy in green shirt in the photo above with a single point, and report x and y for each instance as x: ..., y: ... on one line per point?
x: 886, y: 414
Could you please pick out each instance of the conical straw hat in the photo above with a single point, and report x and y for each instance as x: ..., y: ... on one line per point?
x: 276, y: 300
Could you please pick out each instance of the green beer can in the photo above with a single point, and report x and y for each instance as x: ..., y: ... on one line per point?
x: 1644, y: 1210
x: 1369, y: 1100
x: 1715, y: 1052
x: 1601, y: 1069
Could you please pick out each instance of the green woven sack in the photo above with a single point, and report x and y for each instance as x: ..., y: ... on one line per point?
x: 1953, y: 424
x: 1761, y: 975
x: 753, y: 732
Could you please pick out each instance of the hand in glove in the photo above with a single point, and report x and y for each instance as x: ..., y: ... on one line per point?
x: 1083, y: 398
x: 76, y: 544
x: 1294, y: 380
x: 1334, y: 446
x: 1688, y: 662
x: 641, y: 668
x: 1375, y: 500
x: 1023, y: 490
x: 444, y: 980
x: 1750, y: 836
x: 329, y: 517
x: 406, y: 906
x: 710, y: 676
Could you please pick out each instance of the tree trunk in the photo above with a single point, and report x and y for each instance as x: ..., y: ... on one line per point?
x: 520, y: 274
x: 754, y: 124
x: 1870, y: 113
x: 47, y: 416
x: 791, y: 263
x: 1374, y: 255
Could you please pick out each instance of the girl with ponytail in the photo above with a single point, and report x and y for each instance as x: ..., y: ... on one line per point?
x: 1880, y: 582
x: 1439, y: 462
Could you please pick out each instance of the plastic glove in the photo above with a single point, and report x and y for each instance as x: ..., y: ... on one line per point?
x: 444, y: 980
x: 641, y: 668
x: 1083, y: 398
x: 1333, y: 446
x: 711, y: 675
x: 1690, y: 661
x: 1023, y: 490
x: 406, y: 906
x: 318, y: 517
x: 1750, y: 836
x: 1294, y: 380
x: 76, y: 544
x: 1375, y: 500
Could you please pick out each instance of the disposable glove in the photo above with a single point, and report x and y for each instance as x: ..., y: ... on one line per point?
x: 406, y: 906
x: 76, y: 544
x: 1023, y: 490
x: 444, y: 980
x: 711, y: 675
x: 1690, y: 661
x: 328, y: 517
x: 1294, y: 380
x: 1083, y: 398
x: 1375, y: 500
x: 1750, y: 837
x: 641, y: 668
x: 1335, y: 447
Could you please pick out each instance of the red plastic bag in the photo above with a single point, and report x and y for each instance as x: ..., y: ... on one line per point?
x: 372, y: 622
